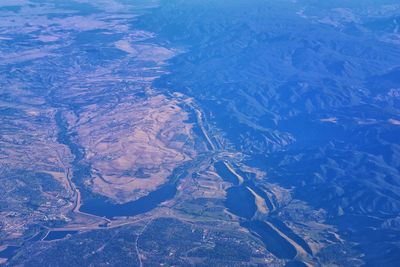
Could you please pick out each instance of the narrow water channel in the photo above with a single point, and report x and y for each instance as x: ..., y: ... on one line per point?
x: 102, y: 206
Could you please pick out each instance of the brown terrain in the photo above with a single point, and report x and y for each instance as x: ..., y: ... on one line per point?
x: 29, y: 150
x: 134, y: 147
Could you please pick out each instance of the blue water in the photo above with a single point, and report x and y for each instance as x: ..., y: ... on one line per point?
x: 9, y: 252
x: 101, y: 206
x: 104, y: 208
x: 272, y: 240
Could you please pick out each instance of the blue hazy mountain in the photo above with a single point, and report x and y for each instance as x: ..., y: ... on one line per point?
x: 200, y: 133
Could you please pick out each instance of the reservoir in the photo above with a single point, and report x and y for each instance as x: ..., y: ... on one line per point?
x: 240, y: 201
x: 104, y: 208
x: 9, y: 252
x: 274, y: 242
